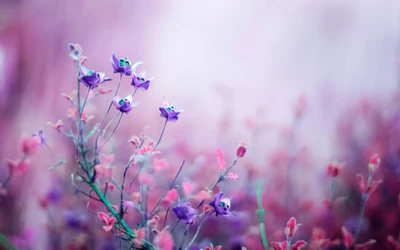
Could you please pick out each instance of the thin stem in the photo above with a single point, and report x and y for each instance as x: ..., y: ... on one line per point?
x: 102, y: 122
x: 161, y: 135
x: 176, y: 224
x: 112, y: 133
x: 183, y: 237
x: 6, y: 243
x: 84, y: 102
x: 166, y: 217
x: 197, y: 233
x: 289, y: 244
x: 222, y: 176
x: 105, y: 129
x: 171, y: 187
x: 140, y: 170
x: 364, y: 199
x: 260, y: 213
x: 11, y: 174
x: 121, y: 212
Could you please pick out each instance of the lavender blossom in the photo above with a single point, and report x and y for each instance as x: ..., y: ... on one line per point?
x: 124, y: 105
x: 91, y: 78
x: 140, y: 82
x: 123, y: 65
x: 221, y: 206
x: 169, y: 113
x: 185, y: 212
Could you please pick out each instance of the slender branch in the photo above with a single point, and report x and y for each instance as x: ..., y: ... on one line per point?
x: 112, y: 133
x: 183, y: 237
x: 170, y: 188
x: 161, y: 135
x: 96, y: 151
x: 222, y: 176
x: 197, y: 232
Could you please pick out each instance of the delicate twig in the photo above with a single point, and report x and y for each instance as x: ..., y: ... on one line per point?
x: 364, y: 199
x: 161, y: 135
x: 170, y: 188
x: 197, y: 232
x: 112, y: 133
x: 176, y: 224
x: 222, y: 176
x: 166, y: 216
x: 183, y: 237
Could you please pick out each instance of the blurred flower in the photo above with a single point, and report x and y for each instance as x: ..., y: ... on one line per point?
x: 103, y: 171
x: 105, y: 219
x: 163, y: 239
x: 283, y: 245
x: 75, y: 52
x: 301, y: 106
x: 241, y: 150
x: 211, y: 247
x: 91, y: 78
x: 29, y: 145
x: 347, y: 238
x: 124, y: 105
x: 221, y: 206
x: 169, y: 113
x: 140, y: 82
x: 363, y: 186
x: 123, y: 65
x: 374, y: 163
x: 25, y: 240
x: 74, y: 220
x: 73, y: 114
x: 18, y: 166
x: 3, y: 191
x: 365, y: 246
x: 291, y: 228
x: 334, y: 169
x: 147, y: 179
x: 58, y: 126
x: 185, y: 212
x: 140, y: 236
x: 393, y: 243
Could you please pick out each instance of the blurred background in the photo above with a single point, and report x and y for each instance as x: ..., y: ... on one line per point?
x: 305, y: 83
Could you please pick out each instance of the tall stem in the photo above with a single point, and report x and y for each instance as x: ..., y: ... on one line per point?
x: 112, y: 133
x: 161, y: 135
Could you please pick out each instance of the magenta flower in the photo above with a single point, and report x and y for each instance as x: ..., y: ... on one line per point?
x: 123, y: 65
x: 106, y: 220
x: 91, y: 78
x: 140, y: 82
x: 169, y: 113
x: 185, y: 212
x: 124, y: 105
x: 221, y: 206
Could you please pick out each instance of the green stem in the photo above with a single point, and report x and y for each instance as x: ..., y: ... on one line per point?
x: 6, y: 243
x: 260, y: 213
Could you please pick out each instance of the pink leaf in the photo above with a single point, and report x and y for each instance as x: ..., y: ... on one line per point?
x: 220, y: 159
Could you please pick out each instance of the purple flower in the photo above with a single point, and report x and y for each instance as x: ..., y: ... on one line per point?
x: 123, y: 65
x: 169, y: 113
x: 124, y: 105
x: 91, y: 78
x: 75, y: 52
x: 221, y: 206
x: 140, y: 82
x: 185, y: 212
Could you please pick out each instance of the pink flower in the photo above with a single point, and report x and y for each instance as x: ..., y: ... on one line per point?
x: 18, y: 167
x: 374, y: 163
x: 140, y: 236
x: 334, y: 169
x: 105, y: 219
x: 107, y: 159
x: 211, y: 247
x: 146, y: 179
x: 135, y: 197
x: 103, y: 171
x: 163, y: 240
x: 363, y: 186
x: 241, y: 150
x: 73, y: 114
x: 393, y: 242
x: 220, y: 159
x: 160, y: 164
x: 347, y: 238
x: 102, y: 91
x: 188, y: 188
x: 291, y: 228
x: 58, y: 126
x: 232, y: 176
x: 283, y: 245
x: 30, y: 145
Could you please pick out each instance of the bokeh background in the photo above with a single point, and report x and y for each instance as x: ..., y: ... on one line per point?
x: 238, y: 69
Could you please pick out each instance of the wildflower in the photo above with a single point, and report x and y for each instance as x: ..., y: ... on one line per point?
x: 168, y: 112
x: 232, y: 176
x: 221, y: 206
x: 363, y: 186
x: 241, y: 150
x: 374, y: 163
x: 123, y: 65
x: 18, y: 166
x: 211, y: 247
x: 184, y: 212
x: 91, y: 78
x: 283, y: 245
x: 393, y: 242
x: 291, y: 228
x: 105, y: 219
x: 124, y: 105
x: 140, y: 82
x: 75, y: 52
x: 334, y: 169
x: 163, y: 239
x: 74, y: 220
x: 73, y: 114
x: 30, y: 145
x: 147, y: 179
x: 58, y: 126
